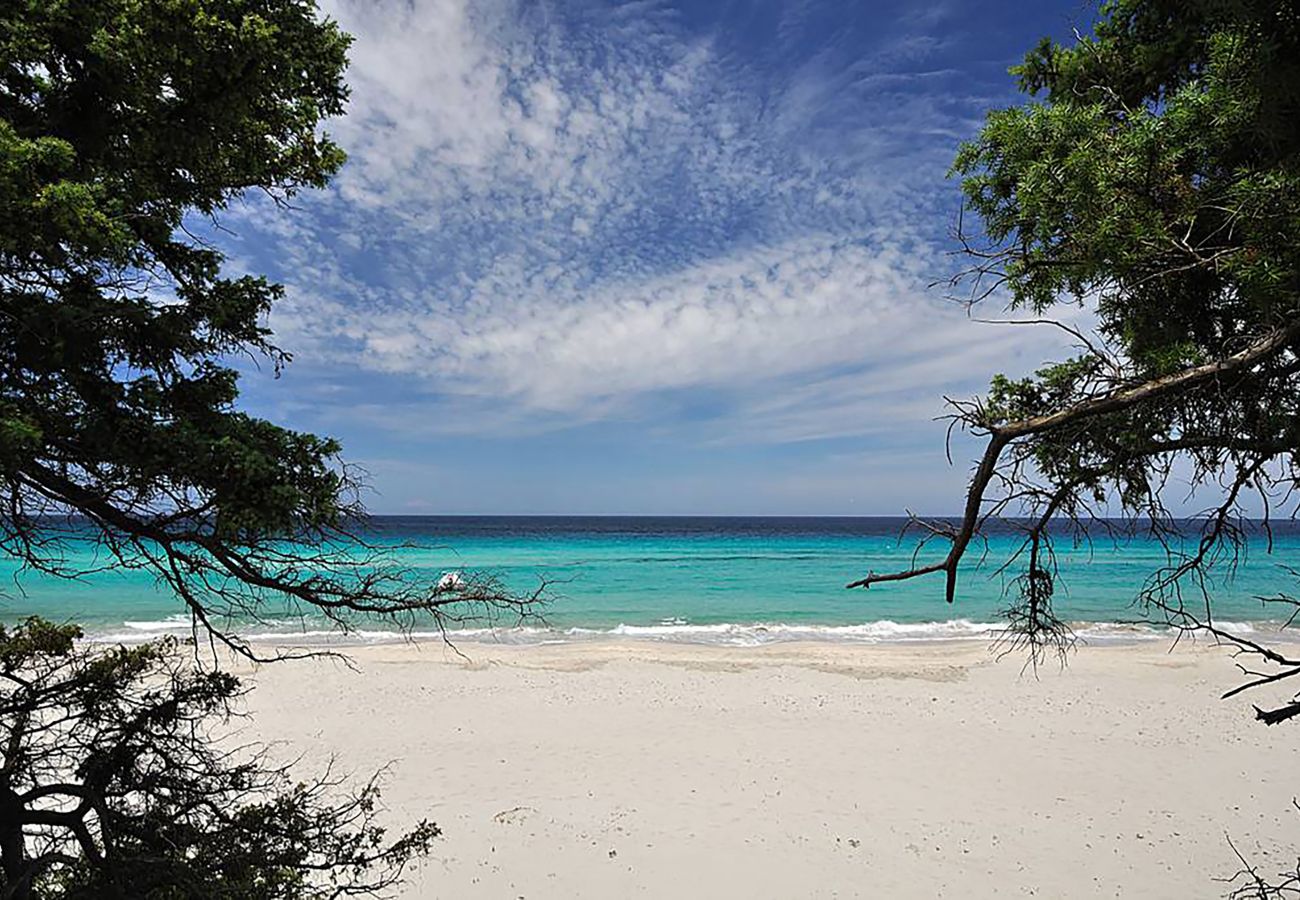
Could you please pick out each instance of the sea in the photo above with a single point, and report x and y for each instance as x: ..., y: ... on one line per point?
x: 738, y: 581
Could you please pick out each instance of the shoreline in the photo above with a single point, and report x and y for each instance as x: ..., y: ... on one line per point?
x: 648, y: 768
x: 883, y: 632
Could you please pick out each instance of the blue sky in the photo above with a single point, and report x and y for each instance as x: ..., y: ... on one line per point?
x: 644, y: 257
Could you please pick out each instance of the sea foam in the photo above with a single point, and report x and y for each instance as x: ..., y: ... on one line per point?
x: 674, y: 630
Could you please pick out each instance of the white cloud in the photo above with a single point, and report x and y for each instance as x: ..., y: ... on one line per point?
x: 550, y: 219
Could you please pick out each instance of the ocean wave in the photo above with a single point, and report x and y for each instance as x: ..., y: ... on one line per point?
x: 171, y: 623
x: 676, y: 630
x: 881, y: 631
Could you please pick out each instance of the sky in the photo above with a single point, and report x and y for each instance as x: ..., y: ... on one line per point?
x: 645, y: 257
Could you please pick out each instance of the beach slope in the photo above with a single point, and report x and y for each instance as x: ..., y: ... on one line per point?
x: 638, y: 769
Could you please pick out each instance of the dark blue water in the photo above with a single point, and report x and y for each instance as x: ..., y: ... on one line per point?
x: 725, y: 579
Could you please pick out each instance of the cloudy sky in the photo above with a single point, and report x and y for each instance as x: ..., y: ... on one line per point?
x: 645, y: 257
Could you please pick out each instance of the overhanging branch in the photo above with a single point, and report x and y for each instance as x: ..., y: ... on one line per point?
x: 1117, y: 400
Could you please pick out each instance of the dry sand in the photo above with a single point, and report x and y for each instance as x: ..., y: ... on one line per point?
x: 626, y: 769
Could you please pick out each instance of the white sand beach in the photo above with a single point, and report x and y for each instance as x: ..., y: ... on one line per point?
x: 635, y: 769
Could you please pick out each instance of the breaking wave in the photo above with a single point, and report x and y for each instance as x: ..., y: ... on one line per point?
x: 883, y: 631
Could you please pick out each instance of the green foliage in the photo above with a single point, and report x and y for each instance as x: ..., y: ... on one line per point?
x: 1156, y: 180
x: 114, y: 784
x: 1151, y: 179
x: 118, y: 119
x: 1157, y: 173
x: 122, y: 124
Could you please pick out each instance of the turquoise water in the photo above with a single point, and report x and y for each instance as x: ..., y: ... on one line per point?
x: 726, y: 580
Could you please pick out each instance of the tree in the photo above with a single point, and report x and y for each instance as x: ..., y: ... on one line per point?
x: 1154, y: 181
x: 126, y: 127
x: 114, y: 784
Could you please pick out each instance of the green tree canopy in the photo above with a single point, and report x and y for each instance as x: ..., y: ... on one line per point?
x: 122, y: 122
x: 1154, y: 180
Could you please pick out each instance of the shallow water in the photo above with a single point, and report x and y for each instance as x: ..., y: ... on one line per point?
x: 723, y: 580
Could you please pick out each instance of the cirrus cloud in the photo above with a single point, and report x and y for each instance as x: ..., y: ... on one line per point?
x: 579, y: 212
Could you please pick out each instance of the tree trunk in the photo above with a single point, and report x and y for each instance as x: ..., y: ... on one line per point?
x: 13, y: 849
